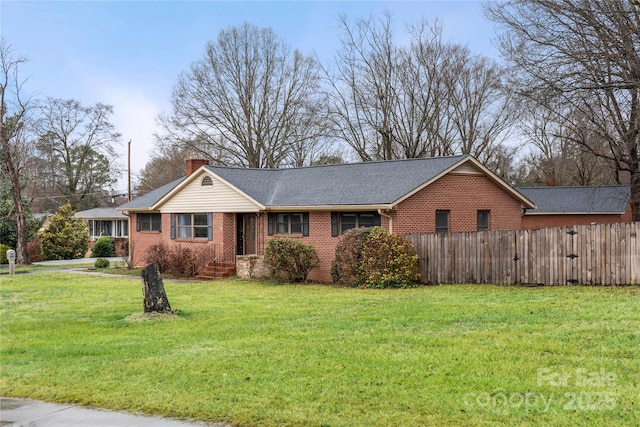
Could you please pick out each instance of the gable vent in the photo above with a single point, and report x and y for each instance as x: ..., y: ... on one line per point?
x: 206, y: 181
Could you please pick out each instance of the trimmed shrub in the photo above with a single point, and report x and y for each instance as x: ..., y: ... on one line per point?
x: 388, y: 261
x: 178, y: 260
x: 104, y: 247
x: 66, y: 237
x: 345, y: 269
x: 159, y: 254
x: 290, y: 260
x: 373, y: 258
x: 3, y: 254
x: 101, y: 263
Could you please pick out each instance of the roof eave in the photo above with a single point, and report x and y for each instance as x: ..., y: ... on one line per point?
x: 316, y: 208
x: 574, y: 213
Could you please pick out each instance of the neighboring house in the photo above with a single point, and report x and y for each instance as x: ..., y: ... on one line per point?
x: 106, y: 222
x: 235, y: 211
x: 563, y: 206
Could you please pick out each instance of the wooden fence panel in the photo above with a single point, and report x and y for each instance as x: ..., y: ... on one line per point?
x: 597, y: 254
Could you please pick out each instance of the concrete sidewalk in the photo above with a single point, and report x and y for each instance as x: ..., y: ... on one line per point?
x: 84, y: 261
x: 33, y: 413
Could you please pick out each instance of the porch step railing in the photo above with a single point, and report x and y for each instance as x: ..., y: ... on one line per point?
x: 222, y: 264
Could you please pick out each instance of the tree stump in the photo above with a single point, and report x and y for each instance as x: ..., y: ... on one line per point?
x: 155, y: 298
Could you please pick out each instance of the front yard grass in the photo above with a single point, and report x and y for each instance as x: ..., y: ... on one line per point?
x: 264, y: 355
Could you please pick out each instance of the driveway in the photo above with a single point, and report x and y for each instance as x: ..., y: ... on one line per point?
x: 33, y: 413
x: 76, y: 261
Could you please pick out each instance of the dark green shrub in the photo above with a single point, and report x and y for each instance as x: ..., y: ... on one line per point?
x: 290, y: 260
x: 101, y: 263
x: 66, y: 237
x: 388, y: 261
x: 345, y: 269
x: 3, y: 254
x: 104, y: 247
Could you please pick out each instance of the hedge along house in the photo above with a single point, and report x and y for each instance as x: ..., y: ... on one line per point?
x: 234, y: 211
x: 566, y: 206
x: 106, y: 222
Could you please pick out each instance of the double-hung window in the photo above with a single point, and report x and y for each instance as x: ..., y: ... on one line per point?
x: 148, y: 222
x: 442, y: 221
x: 191, y: 226
x: 288, y: 223
x: 344, y: 221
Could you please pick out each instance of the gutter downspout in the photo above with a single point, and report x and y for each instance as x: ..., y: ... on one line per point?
x: 389, y: 217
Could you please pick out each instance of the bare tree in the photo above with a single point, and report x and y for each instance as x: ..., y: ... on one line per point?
x: 247, y: 102
x: 425, y: 99
x: 557, y: 159
x: 363, y: 87
x: 166, y: 165
x: 580, y: 59
x: 76, y: 157
x: 16, y: 144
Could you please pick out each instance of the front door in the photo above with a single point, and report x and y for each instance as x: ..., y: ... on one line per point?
x: 246, y: 234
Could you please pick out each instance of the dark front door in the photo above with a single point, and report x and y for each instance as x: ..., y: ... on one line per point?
x: 246, y: 234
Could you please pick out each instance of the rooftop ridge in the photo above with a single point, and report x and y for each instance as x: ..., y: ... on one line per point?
x: 340, y: 164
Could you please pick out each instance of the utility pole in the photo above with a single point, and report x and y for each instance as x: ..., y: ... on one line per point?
x: 129, y: 171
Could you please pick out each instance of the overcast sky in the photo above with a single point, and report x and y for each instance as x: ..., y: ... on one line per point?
x: 129, y: 53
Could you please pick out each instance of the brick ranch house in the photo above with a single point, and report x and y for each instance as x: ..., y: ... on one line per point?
x: 235, y: 211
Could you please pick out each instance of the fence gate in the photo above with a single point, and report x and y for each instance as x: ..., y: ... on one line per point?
x: 571, y: 245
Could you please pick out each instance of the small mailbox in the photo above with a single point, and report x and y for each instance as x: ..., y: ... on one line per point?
x: 11, y: 257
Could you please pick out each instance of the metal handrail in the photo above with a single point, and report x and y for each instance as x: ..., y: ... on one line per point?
x: 227, y: 255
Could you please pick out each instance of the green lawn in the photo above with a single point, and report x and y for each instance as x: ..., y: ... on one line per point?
x: 264, y: 355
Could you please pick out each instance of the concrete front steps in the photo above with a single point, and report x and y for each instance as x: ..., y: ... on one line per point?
x: 217, y: 270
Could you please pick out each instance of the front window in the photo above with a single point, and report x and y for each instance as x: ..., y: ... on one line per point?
x: 122, y: 228
x: 192, y: 226
x: 289, y: 223
x: 98, y: 228
x: 341, y: 222
x: 442, y: 221
x: 149, y: 222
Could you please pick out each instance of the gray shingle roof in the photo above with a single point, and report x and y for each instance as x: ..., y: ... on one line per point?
x: 353, y: 184
x: 602, y: 199
x: 149, y: 199
x: 371, y: 183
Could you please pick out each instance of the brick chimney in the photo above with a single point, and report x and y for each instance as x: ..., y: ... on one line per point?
x: 194, y: 163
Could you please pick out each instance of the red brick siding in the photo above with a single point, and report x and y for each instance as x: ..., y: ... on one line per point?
x: 144, y: 239
x: 320, y: 238
x: 462, y: 195
x: 544, y: 221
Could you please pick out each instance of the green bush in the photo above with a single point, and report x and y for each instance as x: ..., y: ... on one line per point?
x: 101, y: 263
x: 345, y: 269
x: 373, y: 258
x: 388, y: 261
x: 3, y: 254
x: 66, y: 237
x: 290, y: 260
x: 104, y: 247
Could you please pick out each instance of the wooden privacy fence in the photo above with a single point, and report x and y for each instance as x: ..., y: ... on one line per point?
x: 598, y: 254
